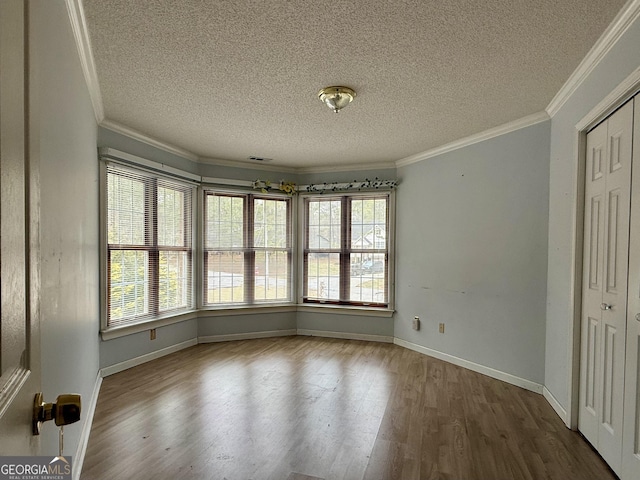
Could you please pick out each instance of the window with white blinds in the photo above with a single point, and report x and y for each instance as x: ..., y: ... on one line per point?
x: 149, y: 246
x: 247, y: 249
x: 346, y: 250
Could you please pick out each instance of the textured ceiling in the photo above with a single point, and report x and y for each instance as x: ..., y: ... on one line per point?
x: 233, y: 79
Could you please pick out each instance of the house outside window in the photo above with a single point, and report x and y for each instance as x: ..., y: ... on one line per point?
x: 346, y: 249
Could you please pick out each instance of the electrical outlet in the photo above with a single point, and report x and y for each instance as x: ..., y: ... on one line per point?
x: 416, y: 323
x: 152, y: 334
x: 442, y: 328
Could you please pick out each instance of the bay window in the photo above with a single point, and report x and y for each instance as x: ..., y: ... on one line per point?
x: 244, y: 245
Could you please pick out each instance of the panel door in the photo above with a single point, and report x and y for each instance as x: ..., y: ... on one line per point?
x: 19, y: 280
x: 592, y: 283
x: 631, y: 432
x: 607, y: 210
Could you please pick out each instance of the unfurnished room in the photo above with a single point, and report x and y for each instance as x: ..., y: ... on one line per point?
x: 297, y: 240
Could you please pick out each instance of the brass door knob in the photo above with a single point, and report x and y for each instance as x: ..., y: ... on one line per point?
x: 64, y: 411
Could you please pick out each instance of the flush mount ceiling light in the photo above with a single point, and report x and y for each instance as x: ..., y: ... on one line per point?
x: 336, y: 98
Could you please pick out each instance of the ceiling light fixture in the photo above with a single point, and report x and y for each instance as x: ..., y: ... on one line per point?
x: 336, y: 98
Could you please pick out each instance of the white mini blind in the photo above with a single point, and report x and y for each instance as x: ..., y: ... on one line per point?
x: 149, y: 246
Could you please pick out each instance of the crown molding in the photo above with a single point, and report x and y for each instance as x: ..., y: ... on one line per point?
x: 83, y: 44
x: 246, y: 165
x: 141, y: 137
x: 625, y: 18
x: 476, y: 138
x: 618, y: 97
x: 349, y: 167
x: 297, y: 170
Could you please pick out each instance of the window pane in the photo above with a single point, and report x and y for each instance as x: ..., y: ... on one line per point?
x: 272, y: 275
x: 225, y: 277
x: 323, y: 277
x: 368, y: 223
x: 125, y: 210
x: 225, y: 222
x: 324, y: 224
x: 129, y: 286
x: 151, y: 214
x: 228, y: 250
x: 353, y: 272
x: 171, y: 218
x: 270, y: 223
x: 368, y: 278
x: 174, y: 276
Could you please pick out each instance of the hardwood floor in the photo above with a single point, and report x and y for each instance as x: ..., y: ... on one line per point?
x: 308, y: 408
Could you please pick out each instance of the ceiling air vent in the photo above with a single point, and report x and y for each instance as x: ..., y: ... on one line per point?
x: 260, y: 159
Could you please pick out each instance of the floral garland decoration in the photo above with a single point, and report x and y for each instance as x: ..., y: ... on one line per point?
x: 367, y: 184
x: 290, y: 188
x: 265, y: 186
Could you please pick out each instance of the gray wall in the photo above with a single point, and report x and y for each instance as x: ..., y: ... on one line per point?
x: 343, y: 323
x: 109, y: 138
x: 619, y: 62
x: 472, y: 252
x: 64, y: 134
x: 235, y: 324
x: 135, y: 345
x: 328, y: 177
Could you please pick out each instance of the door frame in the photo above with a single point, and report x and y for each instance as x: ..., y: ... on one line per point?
x: 624, y: 92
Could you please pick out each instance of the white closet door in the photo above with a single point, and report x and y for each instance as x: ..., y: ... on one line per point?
x: 607, y: 210
x: 631, y: 433
x: 592, y: 283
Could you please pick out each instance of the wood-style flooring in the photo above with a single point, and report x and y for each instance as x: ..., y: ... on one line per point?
x: 308, y: 408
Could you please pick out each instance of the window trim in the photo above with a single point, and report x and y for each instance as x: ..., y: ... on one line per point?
x: 153, y: 319
x: 334, y: 305
x: 249, y: 249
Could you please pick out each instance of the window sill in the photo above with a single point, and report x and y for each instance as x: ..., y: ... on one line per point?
x: 346, y: 310
x: 116, y: 332
x: 300, y: 307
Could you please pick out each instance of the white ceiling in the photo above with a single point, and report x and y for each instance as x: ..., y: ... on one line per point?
x: 233, y: 79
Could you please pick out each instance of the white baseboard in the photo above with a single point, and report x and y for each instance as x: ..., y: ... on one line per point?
x: 134, y: 362
x: 555, y: 404
x: 345, y: 335
x: 490, y: 372
x: 246, y: 336
x: 89, y: 411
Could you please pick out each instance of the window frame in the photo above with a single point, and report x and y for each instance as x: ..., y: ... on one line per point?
x: 144, y: 166
x: 249, y: 250
x: 155, y: 316
x: 345, y: 251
